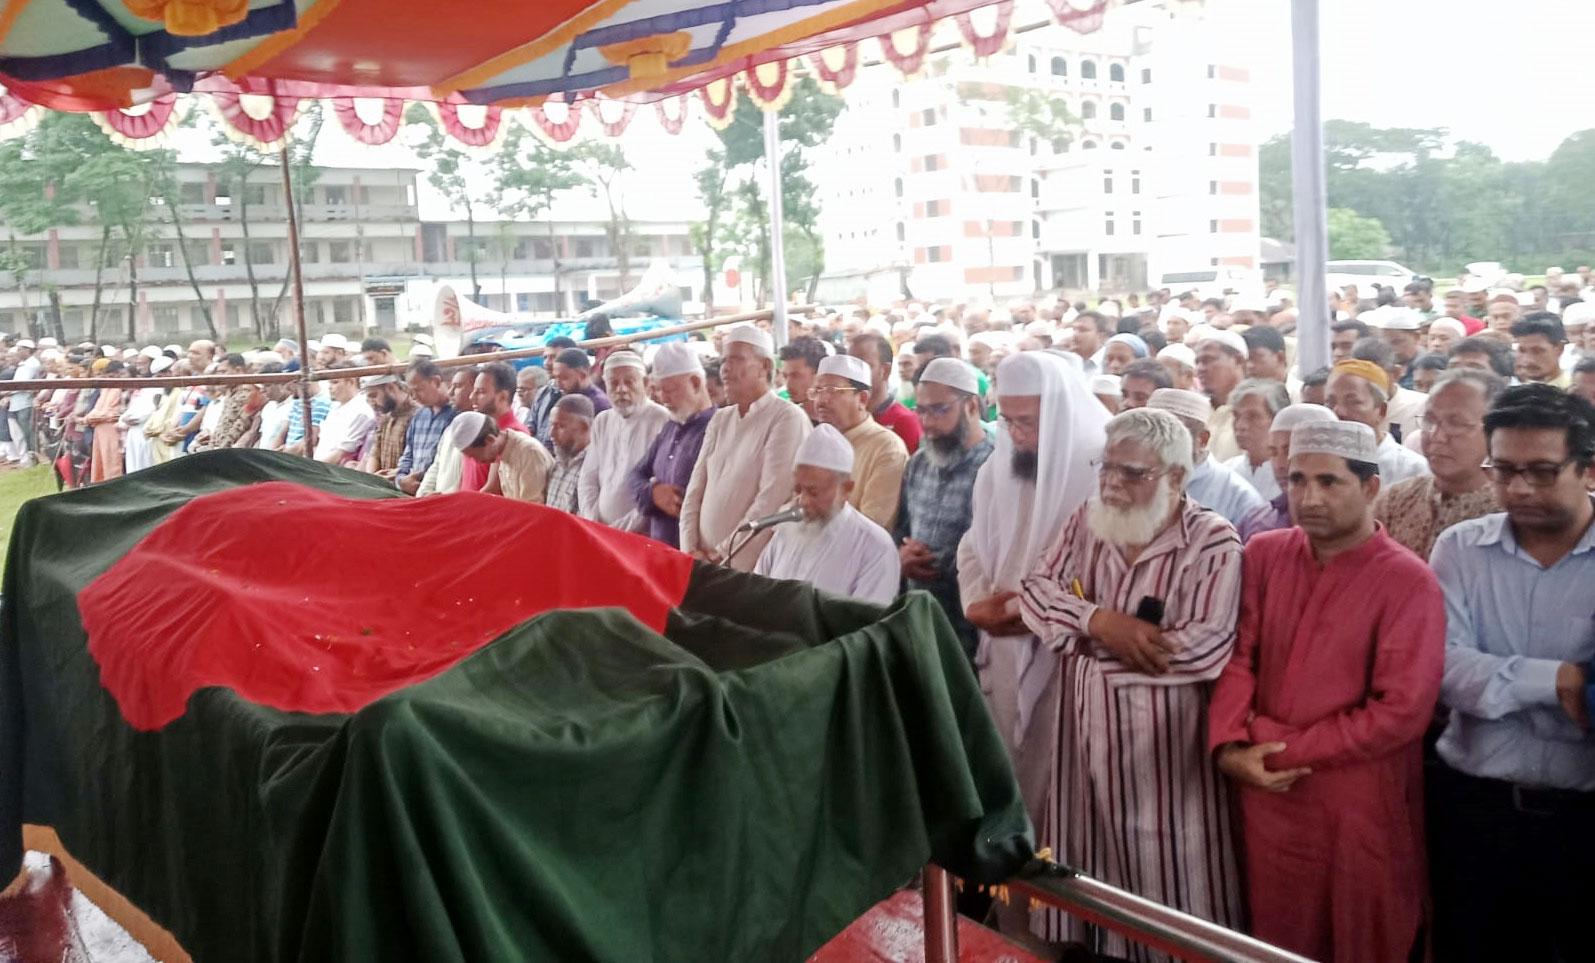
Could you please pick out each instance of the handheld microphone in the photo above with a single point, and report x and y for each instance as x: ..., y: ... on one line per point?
x: 793, y: 514
x: 1150, y: 610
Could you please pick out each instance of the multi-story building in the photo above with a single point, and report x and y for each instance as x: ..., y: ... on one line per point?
x: 930, y: 178
x: 370, y: 261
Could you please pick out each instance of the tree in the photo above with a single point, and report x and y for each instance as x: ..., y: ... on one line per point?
x: 1048, y: 119
x: 34, y: 193
x: 451, y: 174
x: 1354, y: 237
x: 711, y: 181
x: 602, y: 166
x: 1274, y: 189
x: 527, y: 173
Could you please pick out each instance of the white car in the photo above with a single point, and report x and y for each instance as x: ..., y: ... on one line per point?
x: 1214, y: 282
x: 1365, y: 274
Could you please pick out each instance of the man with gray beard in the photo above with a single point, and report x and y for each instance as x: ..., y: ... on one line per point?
x: 1139, y: 598
x: 936, y: 506
x: 621, y: 437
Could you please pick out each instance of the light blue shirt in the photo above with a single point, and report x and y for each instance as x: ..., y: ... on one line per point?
x: 1215, y: 486
x: 1510, y: 623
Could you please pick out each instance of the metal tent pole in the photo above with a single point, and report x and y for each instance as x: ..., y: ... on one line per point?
x: 305, y: 384
x: 1309, y: 191
x: 772, y: 156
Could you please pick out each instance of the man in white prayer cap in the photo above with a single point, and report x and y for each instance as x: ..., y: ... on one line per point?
x: 1180, y: 362
x: 1050, y: 432
x: 1276, y: 512
x: 519, y: 464
x: 744, y: 471
x: 658, y: 481
x: 621, y: 437
x: 1210, y: 483
x: 1220, y: 366
x: 841, y: 399
x: 834, y: 548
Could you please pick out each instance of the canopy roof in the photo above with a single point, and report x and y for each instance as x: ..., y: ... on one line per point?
x: 105, y: 54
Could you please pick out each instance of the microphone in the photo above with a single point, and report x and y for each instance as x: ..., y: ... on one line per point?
x: 1150, y: 610
x: 793, y: 514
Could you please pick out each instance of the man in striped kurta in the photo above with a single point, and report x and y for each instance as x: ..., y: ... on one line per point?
x: 1139, y: 596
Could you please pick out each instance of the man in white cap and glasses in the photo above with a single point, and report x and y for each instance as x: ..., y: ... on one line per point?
x: 1138, y: 597
x: 1211, y: 483
x: 936, y: 505
x: 1318, y: 718
x: 1038, y: 474
x: 745, y: 471
x: 518, y: 464
x: 841, y: 399
x: 1275, y: 513
x: 834, y: 548
x: 620, y: 438
x: 658, y: 481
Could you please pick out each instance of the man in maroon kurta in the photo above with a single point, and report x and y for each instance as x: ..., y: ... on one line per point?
x: 1319, y: 715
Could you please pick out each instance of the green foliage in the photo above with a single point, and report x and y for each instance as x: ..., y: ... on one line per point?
x: 448, y: 172
x: 1046, y: 118
x: 1354, y: 237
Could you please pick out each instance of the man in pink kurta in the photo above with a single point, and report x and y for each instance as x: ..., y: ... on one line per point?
x: 1319, y: 715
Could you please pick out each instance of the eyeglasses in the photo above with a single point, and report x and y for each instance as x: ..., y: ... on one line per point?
x: 815, y: 394
x: 937, y: 411
x: 1128, y: 474
x: 1025, y: 423
x: 1539, y: 474
x: 1450, y: 426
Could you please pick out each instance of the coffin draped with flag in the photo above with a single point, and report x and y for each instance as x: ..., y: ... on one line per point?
x: 292, y: 715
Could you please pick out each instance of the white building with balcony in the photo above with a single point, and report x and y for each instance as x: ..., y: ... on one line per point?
x: 374, y: 245
x: 928, y: 177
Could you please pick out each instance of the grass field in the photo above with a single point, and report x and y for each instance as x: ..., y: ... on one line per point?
x: 17, y: 487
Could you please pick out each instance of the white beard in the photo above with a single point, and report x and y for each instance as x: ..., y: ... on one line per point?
x: 1129, y: 527
x: 626, y: 410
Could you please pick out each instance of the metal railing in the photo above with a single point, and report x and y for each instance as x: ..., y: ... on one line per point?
x: 1181, y: 935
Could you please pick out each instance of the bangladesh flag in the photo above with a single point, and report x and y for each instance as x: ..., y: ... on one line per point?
x: 293, y: 715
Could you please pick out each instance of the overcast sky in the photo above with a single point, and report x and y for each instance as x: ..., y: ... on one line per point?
x: 1513, y: 74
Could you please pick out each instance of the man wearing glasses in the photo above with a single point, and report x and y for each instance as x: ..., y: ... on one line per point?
x: 1512, y: 810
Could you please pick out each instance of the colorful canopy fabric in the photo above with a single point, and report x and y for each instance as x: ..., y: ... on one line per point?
x: 293, y: 715
x: 71, y: 54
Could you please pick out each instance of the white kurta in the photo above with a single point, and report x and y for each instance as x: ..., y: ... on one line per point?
x: 849, y: 555
x: 1214, y: 486
x: 744, y: 472
x: 1260, y: 478
x: 618, y: 444
x: 1398, y: 463
x: 136, y: 450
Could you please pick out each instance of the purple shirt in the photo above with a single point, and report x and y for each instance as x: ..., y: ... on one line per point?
x: 599, y: 399
x: 1265, y: 518
x: 669, y: 461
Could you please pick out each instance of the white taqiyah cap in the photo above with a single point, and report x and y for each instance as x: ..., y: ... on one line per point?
x: 25, y: 343
x: 624, y: 359
x: 173, y: 348
x: 953, y: 373
x: 676, y: 358
x: 826, y: 448
x: 49, y: 343
x: 1191, y: 405
x: 847, y: 366
x: 1400, y: 319
x: 1302, y: 413
x: 1448, y: 324
x: 752, y: 336
x: 157, y: 365
x: 313, y: 345
x: 1109, y: 309
x: 1106, y: 384
x: 1348, y: 439
x: 1525, y: 299
x: 1474, y: 285
x: 108, y: 350
x: 1247, y: 303
x: 150, y: 351
x: 1578, y: 315
x: 1228, y: 339
x: 1179, y: 354
x: 335, y: 340
x: 1039, y: 329
x: 421, y: 351
x: 466, y: 428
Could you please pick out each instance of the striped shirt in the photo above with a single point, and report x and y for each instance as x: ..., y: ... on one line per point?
x: 319, y: 406
x: 1136, y: 799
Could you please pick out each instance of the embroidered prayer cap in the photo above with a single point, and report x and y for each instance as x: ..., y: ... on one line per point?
x: 624, y: 359
x: 847, y: 366
x: 753, y: 337
x: 1351, y: 440
x: 1366, y: 370
x: 1228, y: 339
x: 1190, y: 405
x: 825, y: 447
x: 1106, y: 384
x: 953, y: 373
x: 1455, y: 327
x: 466, y: 428
x: 1303, y: 413
x: 676, y: 358
x: 1179, y: 354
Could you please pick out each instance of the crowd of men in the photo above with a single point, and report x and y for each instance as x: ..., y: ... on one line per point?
x: 1306, y: 653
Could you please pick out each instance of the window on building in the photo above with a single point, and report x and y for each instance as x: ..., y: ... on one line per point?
x: 1088, y: 110
x: 1135, y: 222
x: 1035, y: 188
x: 523, y: 301
x: 1212, y: 110
x: 584, y: 247
x: 1107, y: 182
x: 198, y: 252
x: 1030, y: 63
x: 1212, y: 71
x: 1212, y: 227
x: 337, y: 194
x: 928, y: 117
x: 309, y: 252
x: 1116, y: 73
x: 898, y: 186
x: 1116, y: 112
x: 1035, y: 147
x: 542, y: 249
x: 339, y: 252
x: 192, y: 192
x: 902, y: 231
x: 165, y: 317
x: 1060, y: 146
x: 1060, y: 67
x: 255, y: 194
x: 1212, y: 187
x: 1088, y: 145
x: 897, y: 98
x: 158, y: 255
x: 932, y: 162
x: 1107, y: 224
x: 229, y: 254
x: 1117, y: 145
x: 343, y: 311
x: 1212, y: 150
x: 1146, y: 113
x: 260, y: 253
x: 933, y: 255
x: 933, y: 208
x: 1035, y: 230
x: 897, y: 143
x: 67, y: 257
x: 1146, y: 75
x: 1088, y: 69
x: 1135, y: 182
